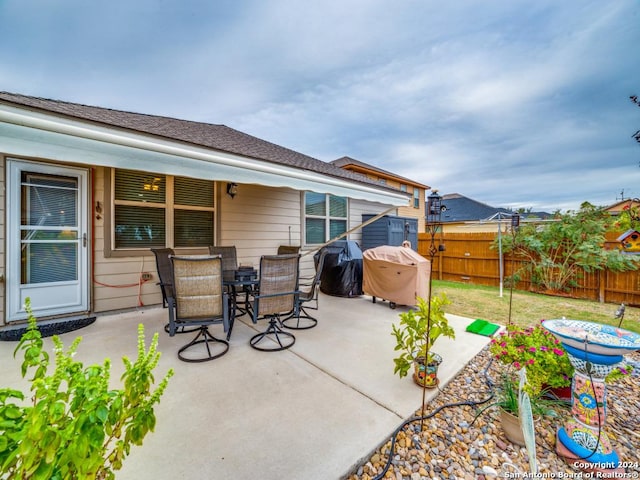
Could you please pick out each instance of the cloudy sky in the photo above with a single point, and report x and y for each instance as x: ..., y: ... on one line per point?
x: 513, y: 103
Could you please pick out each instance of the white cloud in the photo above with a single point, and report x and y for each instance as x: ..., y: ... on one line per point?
x: 498, y: 100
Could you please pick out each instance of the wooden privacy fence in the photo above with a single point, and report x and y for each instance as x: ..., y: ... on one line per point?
x: 468, y: 258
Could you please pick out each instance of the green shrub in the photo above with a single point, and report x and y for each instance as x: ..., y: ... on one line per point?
x: 74, y: 426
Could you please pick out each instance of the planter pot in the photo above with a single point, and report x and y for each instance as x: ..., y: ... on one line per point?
x: 511, y: 427
x: 427, y: 375
x: 559, y: 393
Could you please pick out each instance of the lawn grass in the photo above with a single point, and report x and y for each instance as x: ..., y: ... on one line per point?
x: 478, y: 301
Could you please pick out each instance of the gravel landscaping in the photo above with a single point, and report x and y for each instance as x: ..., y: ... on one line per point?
x: 452, y: 446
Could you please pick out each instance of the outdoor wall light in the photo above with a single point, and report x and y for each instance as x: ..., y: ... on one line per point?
x: 232, y: 189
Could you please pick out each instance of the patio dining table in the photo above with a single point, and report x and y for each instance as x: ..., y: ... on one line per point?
x: 240, y: 281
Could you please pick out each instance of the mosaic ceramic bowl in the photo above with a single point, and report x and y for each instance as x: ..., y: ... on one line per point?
x: 593, y: 337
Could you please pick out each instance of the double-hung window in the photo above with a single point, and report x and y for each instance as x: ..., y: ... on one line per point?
x: 154, y: 210
x: 416, y: 197
x: 325, y: 217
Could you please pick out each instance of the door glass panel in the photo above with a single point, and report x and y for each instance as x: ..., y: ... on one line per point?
x: 49, y: 262
x: 49, y: 228
x: 49, y: 200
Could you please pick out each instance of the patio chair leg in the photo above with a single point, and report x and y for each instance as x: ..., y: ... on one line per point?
x: 204, y: 336
x: 307, y: 321
x: 274, y: 332
x: 182, y: 329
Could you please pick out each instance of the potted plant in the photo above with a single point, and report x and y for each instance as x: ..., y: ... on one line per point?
x: 549, y: 370
x: 506, y: 396
x: 536, y: 349
x: 415, y: 336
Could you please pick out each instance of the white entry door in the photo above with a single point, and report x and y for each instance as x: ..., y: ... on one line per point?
x: 46, y: 239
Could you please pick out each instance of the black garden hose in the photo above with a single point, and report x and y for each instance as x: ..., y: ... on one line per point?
x: 470, y: 403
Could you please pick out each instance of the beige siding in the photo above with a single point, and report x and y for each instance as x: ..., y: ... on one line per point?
x: 116, y: 281
x: 3, y: 237
x: 258, y: 220
x: 417, y: 213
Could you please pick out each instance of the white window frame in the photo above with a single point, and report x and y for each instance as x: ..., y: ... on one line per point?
x: 327, y: 218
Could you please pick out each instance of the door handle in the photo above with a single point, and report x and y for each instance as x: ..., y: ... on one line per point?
x: 84, y: 239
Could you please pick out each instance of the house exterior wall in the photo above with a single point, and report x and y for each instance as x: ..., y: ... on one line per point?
x: 116, y: 280
x: 3, y: 236
x: 408, y: 211
x: 356, y: 209
x: 257, y: 221
x: 417, y: 213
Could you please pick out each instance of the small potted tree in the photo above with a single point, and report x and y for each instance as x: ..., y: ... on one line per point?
x: 415, y: 336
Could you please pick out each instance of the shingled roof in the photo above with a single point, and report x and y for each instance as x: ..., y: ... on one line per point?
x: 216, y: 137
x: 464, y: 209
x: 343, y: 162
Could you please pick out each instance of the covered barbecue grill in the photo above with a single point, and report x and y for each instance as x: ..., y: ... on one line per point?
x: 395, y: 274
x: 342, y: 272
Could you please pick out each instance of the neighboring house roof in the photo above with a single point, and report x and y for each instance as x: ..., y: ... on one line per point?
x: 217, y: 137
x: 617, y: 207
x: 464, y: 209
x: 362, y: 167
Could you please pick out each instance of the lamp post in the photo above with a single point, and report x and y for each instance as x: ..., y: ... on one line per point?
x: 515, y: 225
x: 433, y: 224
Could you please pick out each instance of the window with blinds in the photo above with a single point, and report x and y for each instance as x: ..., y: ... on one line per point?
x: 153, y: 210
x: 325, y: 217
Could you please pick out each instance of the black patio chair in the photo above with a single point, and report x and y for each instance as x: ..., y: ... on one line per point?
x: 199, y: 300
x: 230, y: 264
x: 288, y: 249
x: 300, y: 319
x: 163, y: 266
x: 278, y: 290
x: 229, y: 256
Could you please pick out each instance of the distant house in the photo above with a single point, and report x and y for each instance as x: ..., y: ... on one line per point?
x: 617, y: 207
x: 465, y: 215
x: 417, y: 207
x: 86, y: 192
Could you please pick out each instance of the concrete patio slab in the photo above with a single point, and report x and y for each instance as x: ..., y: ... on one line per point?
x: 311, y: 412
